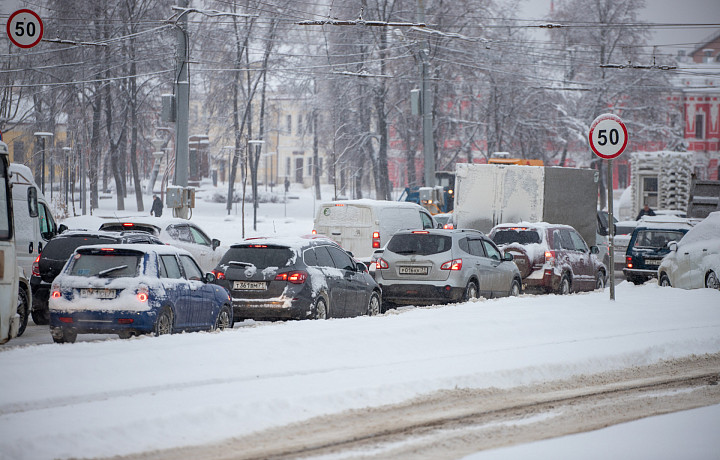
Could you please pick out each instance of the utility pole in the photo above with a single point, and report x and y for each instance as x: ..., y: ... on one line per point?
x: 182, y: 92
x: 426, y: 107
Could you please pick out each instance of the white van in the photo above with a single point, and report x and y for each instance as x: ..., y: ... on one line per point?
x: 363, y: 226
x: 34, y: 224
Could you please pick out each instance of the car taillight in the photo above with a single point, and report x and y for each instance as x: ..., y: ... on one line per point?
x: 628, y: 262
x: 55, y: 294
x: 381, y: 264
x: 297, y: 277
x: 125, y: 320
x: 376, y: 240
x: 314, y: 232
x: 142, y: 293
x: 218, y: 274
x: 550, y: 257
x: 448, y: 226
x: 455, y: 264
x: 36, y: 266
x: 65, y: 319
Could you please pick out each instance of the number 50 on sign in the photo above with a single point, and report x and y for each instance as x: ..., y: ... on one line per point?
x: 608, y: 136
x: 25, y: 28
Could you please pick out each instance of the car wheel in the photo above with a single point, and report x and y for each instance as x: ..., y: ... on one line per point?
x: 224, y: 319
x: 321, y: 309
x: 23, y: 309
x: 471, y: 291
x: 515, y: 289
x: 664, y: 281
x: 125, y: 334
x: 41, y: 317
x: 65, y: 336
x: 374, y: 305
x: 564, y: 287
x: 164, y: 324
x: 600, y: 281
x: 711, y: 281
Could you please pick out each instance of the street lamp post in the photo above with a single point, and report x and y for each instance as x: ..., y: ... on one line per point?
x: 42, y: 136
x: 67, y: 151
x: 254, y: 160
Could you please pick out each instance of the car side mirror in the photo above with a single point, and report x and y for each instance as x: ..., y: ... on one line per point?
x: 673, y: 246
x: 215, y: 243
x: 209, y: 277
x: 361, y: 267
x: 62, y: 228
x: 594, y: 250
x: 508, y: 257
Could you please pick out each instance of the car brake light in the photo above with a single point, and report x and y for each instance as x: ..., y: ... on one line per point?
x: 107, y: 249
x: 56, y: 294
x: 297, y: 277
x: 550, y: 257
x: 142, y: 293
x: 128, y: 224
x: 218, y: 274
x: 455, y: 264
x: 36, y: 266
x: 628, y: 262
x: 448, y: 226
x: 257, y: 246
x: 314, y: 232
x: 381, y: 264
x: 376, y: 240
x: 422, y: 232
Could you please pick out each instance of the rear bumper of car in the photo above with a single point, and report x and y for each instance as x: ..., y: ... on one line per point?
x: 272, y: 309
x: 640, y: 272
x: 103, y: 322
x: 421, y: 294
x: 544, y: 279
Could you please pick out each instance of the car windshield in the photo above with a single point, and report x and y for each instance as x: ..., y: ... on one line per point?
x: 106, y: 265
x: 656, y: 238
x: 419, y: 243
x: 512, y: 235
x: 260, y: 256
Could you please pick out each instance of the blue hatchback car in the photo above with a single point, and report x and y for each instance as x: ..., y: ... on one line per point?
x: 132, y: 289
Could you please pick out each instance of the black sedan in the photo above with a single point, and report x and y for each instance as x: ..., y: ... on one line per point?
x: 296, y: 278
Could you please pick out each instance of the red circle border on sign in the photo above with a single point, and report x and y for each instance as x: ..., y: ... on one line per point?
x: 36, y: 17
x: 608, y: 116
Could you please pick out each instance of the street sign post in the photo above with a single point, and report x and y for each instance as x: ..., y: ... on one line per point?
x: 608, y: 138
x: 25, y: 28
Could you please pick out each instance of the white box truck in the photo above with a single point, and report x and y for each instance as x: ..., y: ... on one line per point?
x: 490, y: 194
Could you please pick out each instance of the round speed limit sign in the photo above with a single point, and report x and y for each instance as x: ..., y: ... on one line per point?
x: 608, y: 136
x: 25, y: 28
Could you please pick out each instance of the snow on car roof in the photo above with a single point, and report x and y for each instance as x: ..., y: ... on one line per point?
x: 706, y: 230
x: 372, y: 203
x: 156, y: 248
x: 646, y: 221
x: 293, y: 242
x: 534, y: 225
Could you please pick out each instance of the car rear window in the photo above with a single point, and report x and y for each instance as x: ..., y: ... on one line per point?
x: 656, y: 238
x: 261, y: 256
x: 62, y: 248
x: 507, y: 236
x: 110, y: 265
x: 419, y: 243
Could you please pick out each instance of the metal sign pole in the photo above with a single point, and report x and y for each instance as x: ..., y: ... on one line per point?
x: 611, y: 229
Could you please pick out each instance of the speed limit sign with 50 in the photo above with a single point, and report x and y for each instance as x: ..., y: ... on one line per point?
x: 25, y: 28
x: 608, y: 136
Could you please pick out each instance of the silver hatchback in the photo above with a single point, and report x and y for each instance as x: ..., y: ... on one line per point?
x: 425, y: 267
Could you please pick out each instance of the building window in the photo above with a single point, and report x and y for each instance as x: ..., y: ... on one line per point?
x: 288, y: 124
x: 287, y: 166
x: 700, y: 126
x: 649, y: 191
x: 299, y: 124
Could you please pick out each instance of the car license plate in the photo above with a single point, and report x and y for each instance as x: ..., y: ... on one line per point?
x: 250, y: 285
x: 413, y: 270
x: 653, y: 262
x: 98, y: 293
